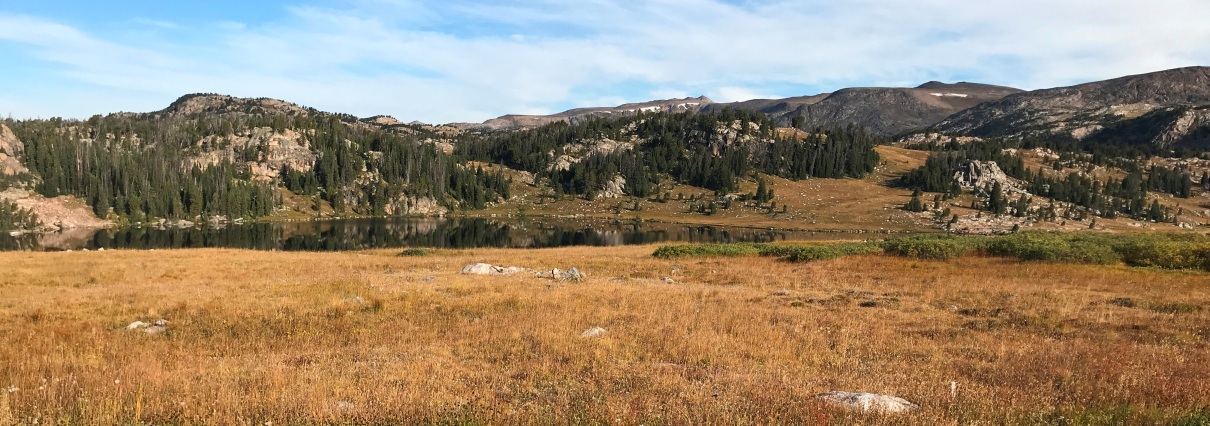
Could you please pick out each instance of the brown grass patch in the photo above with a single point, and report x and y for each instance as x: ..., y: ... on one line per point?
x: 375, y: 338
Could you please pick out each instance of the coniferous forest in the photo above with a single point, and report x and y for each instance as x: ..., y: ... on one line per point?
x: 140, y: 167
x: 1101, y: 197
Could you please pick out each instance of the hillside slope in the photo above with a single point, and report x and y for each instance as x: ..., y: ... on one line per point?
x: 888, y: 111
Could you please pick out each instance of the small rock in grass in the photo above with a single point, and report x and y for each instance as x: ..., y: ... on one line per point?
x: 862, y: 401
x: 593, y: 332
x: 158, y: 327
x: 489, y: 269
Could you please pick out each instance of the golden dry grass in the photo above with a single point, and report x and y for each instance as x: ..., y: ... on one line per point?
x: 268, y: 336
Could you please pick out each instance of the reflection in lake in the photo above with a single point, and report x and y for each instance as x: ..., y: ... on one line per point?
x: 356, y: 234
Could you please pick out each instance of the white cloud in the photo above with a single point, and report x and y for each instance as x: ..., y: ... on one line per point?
x: 468, y: 61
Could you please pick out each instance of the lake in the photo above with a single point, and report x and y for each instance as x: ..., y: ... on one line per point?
x: 358, y: 234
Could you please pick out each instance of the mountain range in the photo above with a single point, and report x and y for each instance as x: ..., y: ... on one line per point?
x: 884, y: 111
x: 1165, y: 108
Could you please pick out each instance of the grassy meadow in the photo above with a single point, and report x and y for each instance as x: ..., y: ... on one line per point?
x: 377, y: 338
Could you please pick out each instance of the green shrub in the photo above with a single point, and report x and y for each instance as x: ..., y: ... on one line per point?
x: 791, y: 252
x: 1053, y: 247
x: 940, y: 246
x: 415, y: 252
x: 813, y: 253
x: 1173, y: 251
x: 1175, y: 308
x: 706, y: 250
x: 780, y: 250
x: 1168, y: 252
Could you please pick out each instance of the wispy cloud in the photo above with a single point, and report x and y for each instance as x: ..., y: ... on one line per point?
x: 463, y: 60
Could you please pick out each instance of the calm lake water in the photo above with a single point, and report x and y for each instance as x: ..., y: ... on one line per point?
x: 358, y: 234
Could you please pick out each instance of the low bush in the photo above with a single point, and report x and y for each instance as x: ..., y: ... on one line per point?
x: 706, y: 250
x: 813, y: 253
x: 1175, y: 308
x: 1165, y: 251
x: 933, y: 246
x: 415, y: 252
x: 790, y: 252
x: 1053, y: 247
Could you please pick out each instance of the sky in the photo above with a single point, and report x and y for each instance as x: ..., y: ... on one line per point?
x: 467, y: 61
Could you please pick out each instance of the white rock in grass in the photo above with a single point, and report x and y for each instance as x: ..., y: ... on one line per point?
x: 489, y: 269
x: 593, y: 332
x: 861, y: 401
x: 158, y: 327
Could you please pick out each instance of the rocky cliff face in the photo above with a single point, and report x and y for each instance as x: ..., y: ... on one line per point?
x: 10, y: 153
x: 1084, y: 110
x: 287, y: 148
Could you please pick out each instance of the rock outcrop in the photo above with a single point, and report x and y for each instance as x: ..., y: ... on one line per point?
x: 10, y: 153
x: 984, y: 174
x: 279, y: 150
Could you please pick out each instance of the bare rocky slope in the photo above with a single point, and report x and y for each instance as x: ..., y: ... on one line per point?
x: 10, y: 153
x: 884, y: 111
x: 1170, y: 103
x: 55, y: 214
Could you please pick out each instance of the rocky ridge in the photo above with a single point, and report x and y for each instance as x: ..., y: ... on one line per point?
x: 1082, y: 111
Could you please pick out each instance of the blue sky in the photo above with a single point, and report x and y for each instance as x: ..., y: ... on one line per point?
x: 462, y: 60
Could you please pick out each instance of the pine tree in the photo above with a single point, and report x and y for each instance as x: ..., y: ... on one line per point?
x: 914, y: 204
